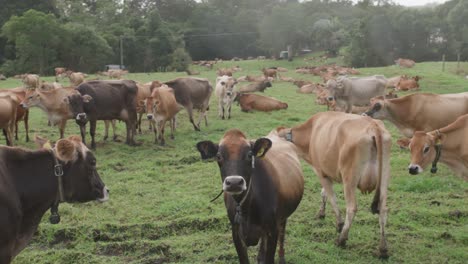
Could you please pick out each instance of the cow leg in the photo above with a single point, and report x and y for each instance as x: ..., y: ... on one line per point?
x: 16, y: 130
x: 220, y: 108
x: 328, y: 187
x: 282, y: 233
x: 139, y: 122
x: 321, y: 213
x: 351, y: 208
x: 5, y: 133
x: 271, y: 242
x: 156, y: 130
x: 172, y: 127
x: 190, y: 113
x: 240, y: 246
x: 205, y: 115
x: 92, y: 132
x: 26, y: 124
x: 229, y: 110
x: 261, y: 251
x: 62, y: 125
x: 162, y: 125
x: 11, y: 130
x: 106, y: 129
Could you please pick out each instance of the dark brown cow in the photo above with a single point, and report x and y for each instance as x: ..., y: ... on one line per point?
x: 255, y: 87
x: 105, y: 100
x: 30, y: 184
x: 249, y: 102
x: 192, y: 93
x: 263, y: 184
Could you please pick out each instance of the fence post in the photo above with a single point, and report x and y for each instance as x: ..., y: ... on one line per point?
x: 458, y: 63
x: 443, y: 62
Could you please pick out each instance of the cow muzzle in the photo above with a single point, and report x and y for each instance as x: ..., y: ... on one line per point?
x: 414, y: 169
x: 228, y: 93
x: 234, y: 184
x: 149, y: 116
x: 330, y: 98
x: 81, y: 116
x: 23, y: 105
x: 105, y: 195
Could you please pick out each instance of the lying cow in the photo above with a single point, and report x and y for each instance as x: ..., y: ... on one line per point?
x: 405, y: 63
x: 393, y: 81
x: 255, y: 87
x: 144, y: 91
x: 23, y: 205
x: 270, y: 73
x: 105, y: 100
x: 161, y: 106
x: 193, y: 93
x: 406, y: 84
x: 447, y: 145
x: 351, y: 149
x: 8, y: 105
x: 31, y: 81
x: 249, y: 102
x: 77, y: 78
x: 420, y: 111
x: 225, y: 93
x: 46, y: 86
x: 349, y: 91
x: 263, y: 184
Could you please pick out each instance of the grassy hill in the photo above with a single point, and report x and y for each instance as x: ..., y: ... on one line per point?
x: 159, y: 209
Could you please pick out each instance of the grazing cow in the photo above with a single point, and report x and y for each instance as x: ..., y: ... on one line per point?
x: 116, y: 73
x: 8, y: 105
x: 105, y: 100
x: 349, y: 91
x: 223, y: 71
x: 34, y: 181
x: 144, y: 91
x: 77, y: 78
x: 408, y: 84
x: 21, y: 113
x: 393, y: 81
x: 60, y: 72
x: 405, y: 63
x: 193, y: 93
x: 45, y: 86
x: 351, y: 149
x: 263, y: 184
x: 161, y: 106
x: 270, y: 73
x: 225, y: 93
x: 2, y: 77
x: 447, y: 145
x: 249, y: 102
x: 309, y: 88
x: 255, y: 87
x: 31, y: 81
x: 51, y: 102
x: 420, y: 111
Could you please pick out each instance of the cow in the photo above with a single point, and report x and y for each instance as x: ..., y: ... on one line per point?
x: 349, y: 91
x: 300, y: 83
x: 286, y: 79
x: 8, y: 105
x: 351, y: 149
x: 105, y: 100
x: 193, y: 93
x: 76, y: 78
x: 224, y: 91
x: 223, y: 71
x: 192, y: 72
x: 49, y: 86
x: 420, y: 111
x: 408, y: 84
x: 405, y: 63
x: 34, y: 181
x: 393, y: 81
x: 270, y: 73
x: 357, y: 109
x: 144, y: 91
x: 249, y: 102
x: 2, y: 77
x: 60, y: 72
x: 263, y: 184
x: 161, y: 106
x: 309, y: 88
x: 255, y: 87
x: 446, y: 144
x: 21, y: 113
x: 31, y: 81
x: 116, y: 73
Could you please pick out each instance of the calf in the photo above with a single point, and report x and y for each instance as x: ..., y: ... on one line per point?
x: 8, y: 105
x: 161, y: 107
x: 105, y: 100
x: 447, y: 145
x: 34, y: 181
x: 351, y: 149
x: 255, y: 87
x: 249, y: 102
x: 225, y: 93
x: 192, y: 93
x: 263, y: 184
x: 31, y: 81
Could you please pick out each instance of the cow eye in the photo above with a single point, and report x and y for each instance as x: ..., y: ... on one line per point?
x: 426, y: 149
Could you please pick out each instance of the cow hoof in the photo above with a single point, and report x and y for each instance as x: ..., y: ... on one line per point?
x: 321, y: 215
x: 375, y: 208
x: 115, y: 139
x: 340, y: 242
x: 54, y: 219
x: 162, y: 144
x: 172, y: 137
x: 383, y: 253
x: 27, y: 139
x: 197, y: 129
x: 339, y: 227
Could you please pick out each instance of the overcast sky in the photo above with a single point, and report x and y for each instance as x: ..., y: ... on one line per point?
x: 418, y: 2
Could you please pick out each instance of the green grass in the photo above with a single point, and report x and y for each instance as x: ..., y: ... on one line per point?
x: 159, y: 209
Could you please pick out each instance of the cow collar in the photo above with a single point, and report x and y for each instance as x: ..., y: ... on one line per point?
x: 238, y: 216
x: 438, y: 148
x: 58, y: 172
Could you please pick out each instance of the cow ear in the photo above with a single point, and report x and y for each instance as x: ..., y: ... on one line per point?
x: 66, y: 100
x: 261, y: 146
x: 42, y: 142
x: 403, y: 142
x: 65, y: 150
x: 207, y: 149
x: 87, y: 98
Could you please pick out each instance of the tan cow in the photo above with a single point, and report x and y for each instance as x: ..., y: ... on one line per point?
x: 223, y: 71
x: 408, y: 84
x: 45, y: 86
x: 224, y: 91
x: 21, y: 113
x: 144, y: 91
x: 309, y: 88
x: 351, y: 149
x: 270, y: 73
x: 447, y: 145
x: 405, y: 63
x: 60, y: 72
x: 255, y: 87
x: 249, y: 102
x: 76, y: 78
x: 8, y: 105
x: 393, y: 81
x: 31, y: 81
x: 420, y: 111
x: 161, y: 107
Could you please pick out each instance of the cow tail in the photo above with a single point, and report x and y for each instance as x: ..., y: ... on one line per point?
x: 379, y: 146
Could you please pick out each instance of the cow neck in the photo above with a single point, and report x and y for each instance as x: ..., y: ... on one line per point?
x: 438, y: 149
x: 58, y: 173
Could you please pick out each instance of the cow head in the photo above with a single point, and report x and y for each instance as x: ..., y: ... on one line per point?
x: 150, y: 107
x: 81, y: 181
x: 79, y: 105
x: 377, y: 108
x: 236, y: 158
x: 335, y: 88
x: 228, y: 83
x: 423, y: 150
x: 31, y: 98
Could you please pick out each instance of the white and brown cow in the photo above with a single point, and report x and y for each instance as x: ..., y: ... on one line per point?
x: 225, y: 93
x: 351, y: 149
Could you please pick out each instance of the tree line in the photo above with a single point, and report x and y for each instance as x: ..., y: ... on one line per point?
x: 39, y: 35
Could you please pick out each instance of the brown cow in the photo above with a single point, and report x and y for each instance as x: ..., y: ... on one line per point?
x: 393, y: 81
x: 60, y: 72
x: 144, y: 91
x: 351, y: 149
x: 31, y: 81
x: 8, y: 105
x: 420, y: 111
x: 161, y: 107
x: 408, y: 84
x: 300, y: 83
x: 405, y: 63
x: 223, y: 71
x: 255, y: 87
x: 49, y: 86
x: 29, y: 187
x: 77, y: 78
x: 249, y: 102
x: 263, y: 184
x: 270, y: 73
x: 21, y: 113
x: 447, y: 145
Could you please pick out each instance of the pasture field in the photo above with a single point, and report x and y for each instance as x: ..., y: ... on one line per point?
x: 160, y: 212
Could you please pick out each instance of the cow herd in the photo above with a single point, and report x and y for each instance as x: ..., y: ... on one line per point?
x: 262, y: 180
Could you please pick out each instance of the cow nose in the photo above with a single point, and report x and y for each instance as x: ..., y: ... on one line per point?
x: 23, y: 105
x: 330, y: 98
x: 81, y: 116
x: 229, y: 93
x: 234, y: 184
x: 413, y: 170
x: 149, y: 117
